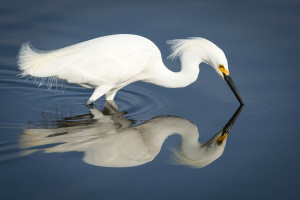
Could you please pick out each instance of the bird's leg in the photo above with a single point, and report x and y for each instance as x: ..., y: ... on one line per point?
x: 110, y: 95
x: 90, y: 106
x: 99, y: 91
x: 110, y: 107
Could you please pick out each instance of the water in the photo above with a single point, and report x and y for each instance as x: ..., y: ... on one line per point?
x: 111, y: 156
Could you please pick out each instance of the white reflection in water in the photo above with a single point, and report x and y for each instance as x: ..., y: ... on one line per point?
x: 111, y: 140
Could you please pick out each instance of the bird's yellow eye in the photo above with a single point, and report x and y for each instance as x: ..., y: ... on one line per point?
x: 223, y: 70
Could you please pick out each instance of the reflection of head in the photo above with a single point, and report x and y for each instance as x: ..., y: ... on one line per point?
x: 199, y: 155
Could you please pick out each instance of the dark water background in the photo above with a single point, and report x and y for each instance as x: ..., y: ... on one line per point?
x: 261, y: 42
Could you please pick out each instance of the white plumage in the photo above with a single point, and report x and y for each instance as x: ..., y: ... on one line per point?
x: 109, y: 63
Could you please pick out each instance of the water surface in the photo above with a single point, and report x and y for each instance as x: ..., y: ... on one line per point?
x: 53, y: 146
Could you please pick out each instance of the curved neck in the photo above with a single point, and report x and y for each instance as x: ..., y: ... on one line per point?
x: 158, y: 129
x: 188, y: 74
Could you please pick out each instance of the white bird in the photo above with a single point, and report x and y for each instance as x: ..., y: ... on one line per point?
x: 109, y: 63
x: 114, y: 141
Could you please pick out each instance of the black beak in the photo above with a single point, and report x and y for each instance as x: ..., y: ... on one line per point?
x: 233, y: 88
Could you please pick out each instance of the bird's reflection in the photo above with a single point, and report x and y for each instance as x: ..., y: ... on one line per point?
x: 110, y: 139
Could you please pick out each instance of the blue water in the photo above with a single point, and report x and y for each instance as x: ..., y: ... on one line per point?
x: 52, y: 147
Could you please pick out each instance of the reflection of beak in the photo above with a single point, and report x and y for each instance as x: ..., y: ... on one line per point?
x: 233, y: 88
x: 228, y: 126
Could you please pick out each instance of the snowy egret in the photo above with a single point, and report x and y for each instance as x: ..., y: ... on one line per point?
x: 113, y: 140
x: 109, y: 63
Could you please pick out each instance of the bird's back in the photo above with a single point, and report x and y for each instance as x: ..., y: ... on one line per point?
x: 110, y: 59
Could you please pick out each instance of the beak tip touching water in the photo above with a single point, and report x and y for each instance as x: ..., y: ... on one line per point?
x: 230, y: 83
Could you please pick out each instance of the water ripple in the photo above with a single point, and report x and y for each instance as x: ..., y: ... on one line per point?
x: 144, y: 102
x: 252, y: 105
x: 141, y: 101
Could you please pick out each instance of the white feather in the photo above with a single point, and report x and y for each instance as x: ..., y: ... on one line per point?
x: 112, y: 62
x: 180, y: 45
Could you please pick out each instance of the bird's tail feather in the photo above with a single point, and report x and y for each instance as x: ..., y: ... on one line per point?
x: 33, y: 62
x: 38, y: 65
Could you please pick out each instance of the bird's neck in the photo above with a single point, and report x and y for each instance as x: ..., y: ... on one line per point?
x: 158, y: 129
x: 188, y: 74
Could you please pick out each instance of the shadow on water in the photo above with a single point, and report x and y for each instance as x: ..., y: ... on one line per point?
x: 109, y: 139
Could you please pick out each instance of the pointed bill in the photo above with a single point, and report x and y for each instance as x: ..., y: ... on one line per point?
x: 233, y: 88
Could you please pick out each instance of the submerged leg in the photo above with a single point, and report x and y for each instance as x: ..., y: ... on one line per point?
x: 99, y: 91
x: 110, y: 107
x: 110, y: 95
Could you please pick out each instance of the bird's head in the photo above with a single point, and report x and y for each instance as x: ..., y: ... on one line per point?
x: 197, y: 50
x: 216, y: 58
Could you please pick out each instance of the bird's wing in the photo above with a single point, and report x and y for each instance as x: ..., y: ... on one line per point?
x: 111, y: 59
